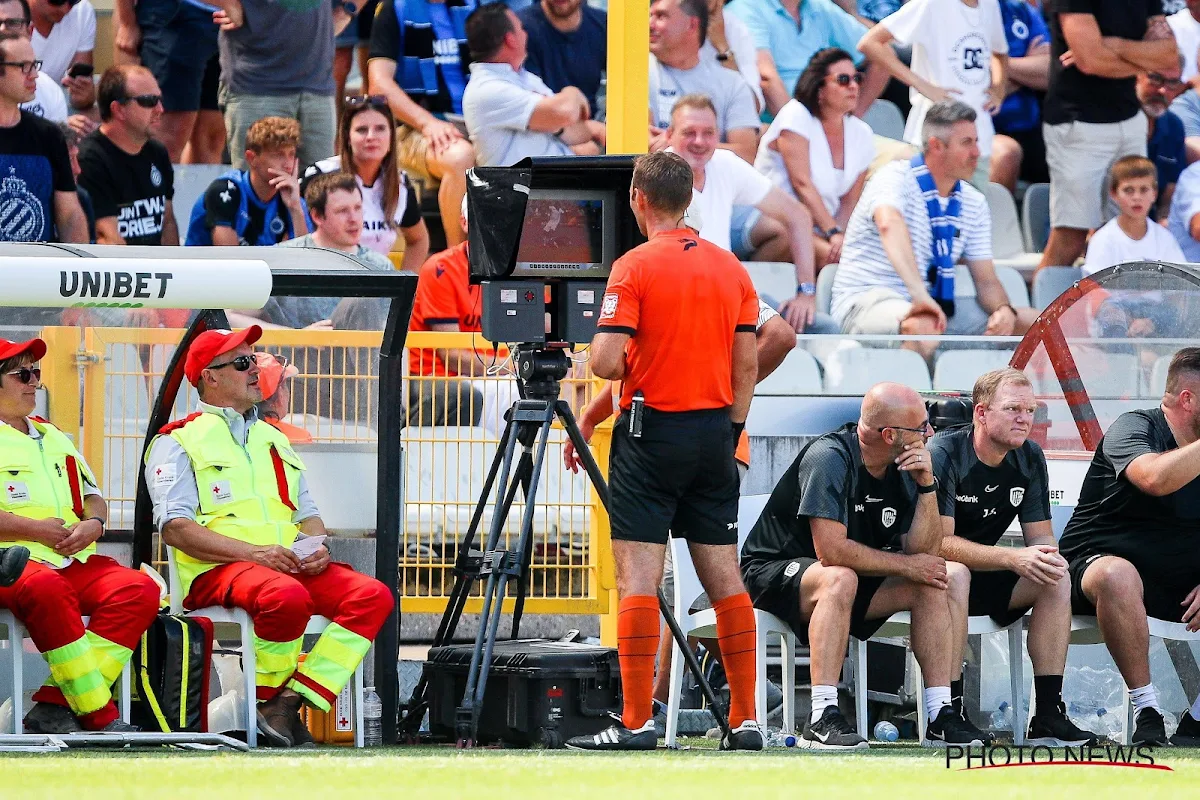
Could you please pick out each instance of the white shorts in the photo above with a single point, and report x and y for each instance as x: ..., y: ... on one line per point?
x: 879, y: 311
x: 1079, y: 155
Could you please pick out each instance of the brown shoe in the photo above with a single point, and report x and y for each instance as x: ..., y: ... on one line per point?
x: 277, y: 716
x: 301, y: 736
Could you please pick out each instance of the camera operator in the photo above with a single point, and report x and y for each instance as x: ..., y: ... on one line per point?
x: 687, y: 383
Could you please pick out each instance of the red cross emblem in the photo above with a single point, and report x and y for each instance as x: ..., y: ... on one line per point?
x: 342, y: 720
x: 216, y: 490
x: 12, y: 488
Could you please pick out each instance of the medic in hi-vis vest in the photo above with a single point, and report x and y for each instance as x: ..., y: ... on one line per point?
x: 50, y: 505
x: 230, y: 496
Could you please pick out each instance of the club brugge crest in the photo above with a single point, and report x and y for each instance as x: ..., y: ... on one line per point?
x: 1015, y: 496
x: 889, y: 517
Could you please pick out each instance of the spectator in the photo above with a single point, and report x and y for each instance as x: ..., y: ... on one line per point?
x: 915, y: 221
x: 366, y: 140
x: 958, y: 51
x: 1018, y: 150
x: 64, y: 35
x: 788, y: 33
x: 677, y: 30
x: 816, y: 151
x: 354, y: 40
x: 38, y: 190
x: 721, y: 181
x: 260, y: 205
x: 275, y: 375
x: 1184, y: 219
x: 1096, y: 50
x: 207, y: 142
x: 729, y: 42
x: 124, y: 168
x: 568, y: 45
x: 49, y: 102
x: 511, y: 114
x: 175, y: 41
x: 878, y: 10
x: 72, y: 138
x: 279, y: 63
x: 446, y: 301
x: 1128, y: 236
x: 1165, y: 136
x: 1185, y: 24
x: 429, y: 147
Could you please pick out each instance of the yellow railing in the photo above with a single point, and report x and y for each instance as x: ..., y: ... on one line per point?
x: 102, y: 383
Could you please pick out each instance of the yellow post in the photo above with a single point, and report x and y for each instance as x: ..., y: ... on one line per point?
x: 628, y: 90
x: 95, y: 412
x: 601, y: 543
x: 61, y: 379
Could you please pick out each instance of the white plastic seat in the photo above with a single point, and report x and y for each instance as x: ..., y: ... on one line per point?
x: 219, y: 615
x: 1010, y: 278
x: 825, y: 288
x: 704, y: 623
x: 798, y: 374
x: 855, y: 370
x: 1006, y: 228
x: 1035, y: 217
x: 774, y: 281
x: 16, y: 649
x: 1158, y: 376
x: 885, y: 119
x: 959, y: 369
x: 1050, y: 282
x: 1104, y: 374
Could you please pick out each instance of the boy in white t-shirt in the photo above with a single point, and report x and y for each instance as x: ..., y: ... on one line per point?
x: 959, y: 52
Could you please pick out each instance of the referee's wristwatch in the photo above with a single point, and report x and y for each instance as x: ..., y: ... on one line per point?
x: 933, y: 487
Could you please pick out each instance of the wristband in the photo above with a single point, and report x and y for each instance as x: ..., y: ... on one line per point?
x: 807, y: 289
x: 738, y: 427
x: 927, y: 489
x: 103, y: 524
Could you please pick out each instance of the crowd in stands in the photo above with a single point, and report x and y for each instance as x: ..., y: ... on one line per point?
x: 763, y: 98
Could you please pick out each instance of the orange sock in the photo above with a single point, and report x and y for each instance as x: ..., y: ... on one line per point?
x: 735, y: 632
x: 637, y: 645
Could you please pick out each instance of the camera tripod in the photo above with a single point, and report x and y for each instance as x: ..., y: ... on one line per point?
x: 529, y: 421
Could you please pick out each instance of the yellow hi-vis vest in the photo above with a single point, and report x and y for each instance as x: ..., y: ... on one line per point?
x: 248, y: 494
x: 43, y: 478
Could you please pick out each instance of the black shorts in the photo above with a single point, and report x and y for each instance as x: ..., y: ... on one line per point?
x: 1163, y: 599
x: 678, y: 477
x: 178, y: 40
x: 991, y: 592
x: 774, y: 587
x: 1033, y: 159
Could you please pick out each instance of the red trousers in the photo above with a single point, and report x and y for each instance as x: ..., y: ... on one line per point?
x: 281, y: 604
x: 50, y: 602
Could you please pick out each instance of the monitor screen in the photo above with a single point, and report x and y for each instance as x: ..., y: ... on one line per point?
x: 562, y: 230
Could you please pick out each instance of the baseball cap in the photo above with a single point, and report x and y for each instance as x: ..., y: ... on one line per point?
x: 210, y: 344
x: 36, y: 348
x: 271, y: 372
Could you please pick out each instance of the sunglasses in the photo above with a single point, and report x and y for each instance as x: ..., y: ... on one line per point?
x: 241, y: 363
x: 366, y: 100
x: 27, y: 375
x: 26, y: 67
x: 143, y: 100
x: 844, y: 79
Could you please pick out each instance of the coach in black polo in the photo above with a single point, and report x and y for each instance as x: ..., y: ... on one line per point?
x: 989, y: 474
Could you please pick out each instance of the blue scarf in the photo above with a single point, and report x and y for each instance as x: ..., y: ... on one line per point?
x: 945, y: 228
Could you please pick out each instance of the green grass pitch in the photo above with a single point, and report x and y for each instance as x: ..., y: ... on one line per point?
x: 889, y: 773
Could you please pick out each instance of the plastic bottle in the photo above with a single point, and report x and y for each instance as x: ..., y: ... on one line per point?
x: 885, y: 731
x: 1002, y: 717
x: 778, y: 738
x: 372, y: 718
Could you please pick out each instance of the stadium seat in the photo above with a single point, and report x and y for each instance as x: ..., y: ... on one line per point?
x: 885, y: 119
x: 1158, y: 376
x: 798, y: 374
x: 774, y: 281
x: 191, y: 181
x: 704, y: 623
x: 1035, y: 217
x: 855, y: 370
x: 1050, y: 282
x: 825, y: 288
x: 1105, y: 375
x: 239, y: 617
x: 959, y: 369
x: 1010, y: 278
x: 16, y: 634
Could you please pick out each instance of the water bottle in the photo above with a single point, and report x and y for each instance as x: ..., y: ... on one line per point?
x: 886, y: 731
x: 779, y: 738
x: 372, y: 718
x: 1002, y: 718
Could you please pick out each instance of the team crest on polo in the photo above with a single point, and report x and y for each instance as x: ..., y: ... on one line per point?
x: 889, y: 517
x: 1015, y: 496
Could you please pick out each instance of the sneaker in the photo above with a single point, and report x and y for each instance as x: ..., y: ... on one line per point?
x: 277, y: 716
x: 746, y: 736
x: 12, y: 563
x: 1056, y: 730
x: 949, y: 728
x: 1149, y: 728
x: 120, y: 726
x: 51, y: 718
x: 986, y: 737
x: 832, y: 732
x: 1188, y: 732
x: 617, y: 737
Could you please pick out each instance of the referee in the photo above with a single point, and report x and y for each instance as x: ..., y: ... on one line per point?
x: 677, y: 328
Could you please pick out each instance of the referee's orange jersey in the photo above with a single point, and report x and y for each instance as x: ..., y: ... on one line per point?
x: 681, y: 299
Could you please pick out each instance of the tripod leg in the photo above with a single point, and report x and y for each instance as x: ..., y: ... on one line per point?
x: 526, y: 561
x: 689, y: 656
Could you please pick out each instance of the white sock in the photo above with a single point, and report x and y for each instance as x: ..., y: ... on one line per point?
x: 936, y: 697
x: 1145, y: 697
x: 822, y: 698
x: 1196, y: 708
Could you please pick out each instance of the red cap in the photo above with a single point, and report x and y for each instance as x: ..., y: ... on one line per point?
x: 36, y: 348
x: 271, y: 373
x: 211, y: 344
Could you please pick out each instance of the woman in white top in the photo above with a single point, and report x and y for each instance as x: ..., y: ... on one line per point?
x: 365, y: 139
x: 816, y: 150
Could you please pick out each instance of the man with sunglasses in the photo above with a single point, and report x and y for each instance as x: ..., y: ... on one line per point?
x: 126, y: 170
x: 230, y: 495
x: 849, y: 537
x: 51, y: 507
x: 990, y: 473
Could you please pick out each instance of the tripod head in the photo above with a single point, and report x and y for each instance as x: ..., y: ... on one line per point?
x: 540, y: 369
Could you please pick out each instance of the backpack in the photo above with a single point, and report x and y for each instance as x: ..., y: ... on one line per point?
x: 171, y: 667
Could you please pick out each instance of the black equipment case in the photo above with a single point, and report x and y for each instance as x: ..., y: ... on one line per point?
x: 539, y: 692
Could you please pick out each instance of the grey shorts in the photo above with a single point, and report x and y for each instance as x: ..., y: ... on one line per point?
x: 1079, y: 155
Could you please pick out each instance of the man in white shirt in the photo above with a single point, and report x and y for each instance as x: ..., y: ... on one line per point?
x: 64, y: 34
x: 510, y: 113
x: 959, y: 51
x: 887, y: 282
x: 1184, y: 220
x: 721, y: 180
x: 1185, y: 24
